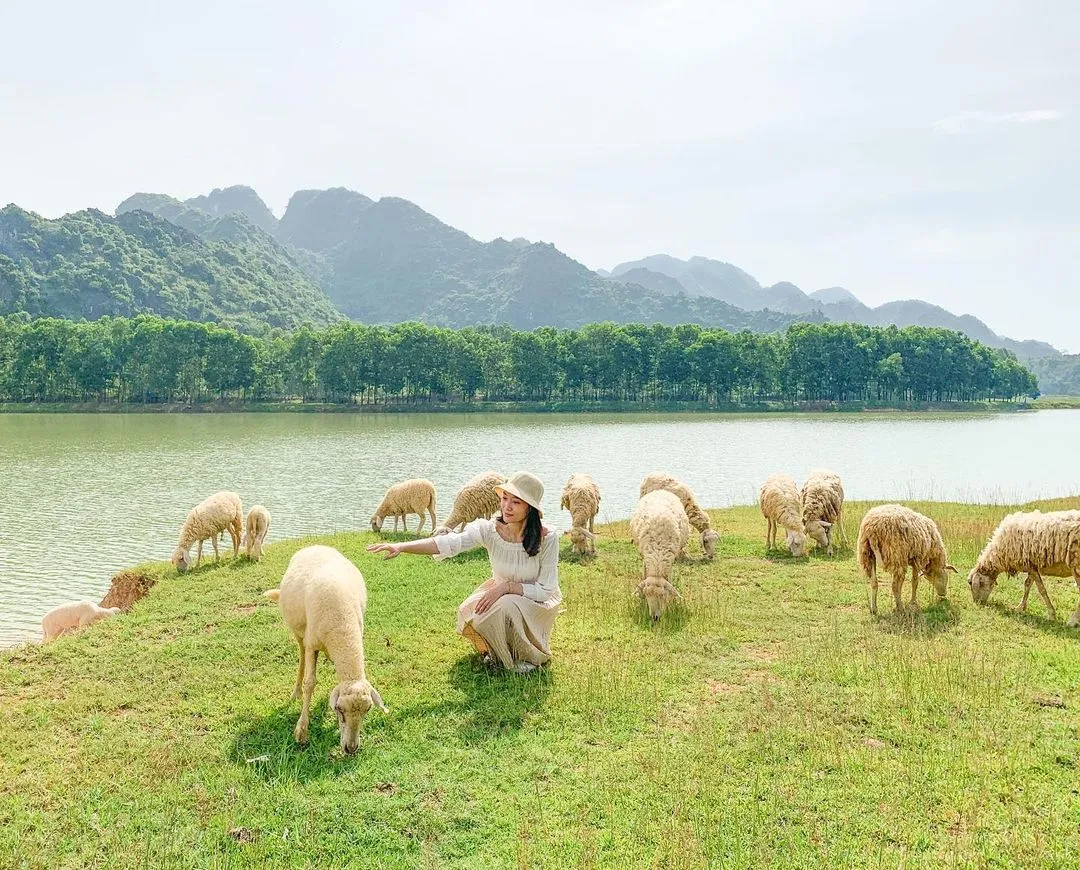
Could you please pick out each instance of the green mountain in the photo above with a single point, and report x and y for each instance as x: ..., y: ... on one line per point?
x: 1058, y: 376
x: 89, y: 264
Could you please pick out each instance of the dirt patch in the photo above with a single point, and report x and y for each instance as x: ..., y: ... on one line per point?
x: 244, y: 609
x: 242, y: 835
x: 718, y: 688
x: 762, y: 677
x: 126, y: 588
x: 761, y: 653
x: 386, y: 788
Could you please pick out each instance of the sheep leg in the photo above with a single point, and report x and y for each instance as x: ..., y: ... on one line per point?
x: 213, y: 540
x: 914, y: 586
x: 769, y: 530
x: 873, y: 592
x: 1028, y: 581
x: 298, y: 689
x: 592, y: 520
x: 311, y: 658
x: 897, y: 588
x: 1044, y: 595
x: 198, y: 558
x: 419, y: 527
x: 1074, y: 620
x: 236, y: 531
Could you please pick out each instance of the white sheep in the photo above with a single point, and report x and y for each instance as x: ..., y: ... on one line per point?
x: 697, y: 517
x: 476, y: 499
x: 581, y: 496
x: 823, y: 507
x: 70, y: 617
x: 323, y: 599
x: 781, y: 505
x: 413, y: 496
x: 659, y: 529
x: 893, y: 538
x: 221, y: 512
x: 1039, y: 545
x: 256, y: 527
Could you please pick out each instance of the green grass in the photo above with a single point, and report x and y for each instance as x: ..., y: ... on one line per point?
x: 1057, y: 402
x: 768, y: 721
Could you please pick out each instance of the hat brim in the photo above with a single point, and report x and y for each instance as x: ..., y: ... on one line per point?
x: 518, y: 494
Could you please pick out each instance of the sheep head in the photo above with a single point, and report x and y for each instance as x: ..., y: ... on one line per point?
x: 938, y: 575
x: 981, y: 585
x: 376, y: 523
x: 796, y: 543
x: 180, y: 560
x: 582, y: 539
x: 821, y: 532
x: 658, y: 593
x: 351, y: 702
x: 709, y: 539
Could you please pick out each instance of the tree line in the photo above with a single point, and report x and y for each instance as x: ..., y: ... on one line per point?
x: 147, y: 359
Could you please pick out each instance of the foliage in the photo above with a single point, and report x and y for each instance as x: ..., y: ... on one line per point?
x: 1058, y: 376
x: 149, y: 359
x: 770, y: 721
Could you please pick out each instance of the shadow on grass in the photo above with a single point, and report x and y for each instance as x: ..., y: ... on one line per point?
x: 1043, y: 623
x: 495, y: 701
x: 917, y: 622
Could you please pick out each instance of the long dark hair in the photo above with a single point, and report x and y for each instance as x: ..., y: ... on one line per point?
x: 534, y: 531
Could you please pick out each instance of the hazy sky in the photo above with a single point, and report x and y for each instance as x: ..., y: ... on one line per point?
x: 915, y: 149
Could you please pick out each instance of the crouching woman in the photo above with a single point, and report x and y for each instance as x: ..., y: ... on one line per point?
x: 509, y: 617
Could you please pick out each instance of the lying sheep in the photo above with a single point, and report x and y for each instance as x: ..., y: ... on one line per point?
x: 697, y: 517
x: 221, y: 512
x: 68, y: 618
x: 659, y: 529
x: 893, y: 537
x: 1039, y: 545
x: 476, y: 499
x: 781, y: 505
x: 823, y: 507
x: 323, y: 599
x: 408, y: 497
x: 581, y: 496
x: 257, y: 525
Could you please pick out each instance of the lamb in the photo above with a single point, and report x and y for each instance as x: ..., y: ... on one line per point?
x: 781, y: 505
x: 323, y: 599
x: 697, y: 517
x: 68, y: 618
x: 221, y: 512
x: 1039, y: 545
x: 823, y: 507
x: 258, y: 524
x: 659, y: 529
x: 475, y: 499
x: 581, y: 496
x: 413, y: 496
x: 893, y: 537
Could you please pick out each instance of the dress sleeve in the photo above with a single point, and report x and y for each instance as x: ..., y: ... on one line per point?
x: 475, y: 534
x: 546, y: 585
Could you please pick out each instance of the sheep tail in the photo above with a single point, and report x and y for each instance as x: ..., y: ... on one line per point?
x: 867, y: 557
x: 273, y: 594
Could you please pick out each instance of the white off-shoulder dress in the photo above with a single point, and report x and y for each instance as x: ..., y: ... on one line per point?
x: 517, y: 628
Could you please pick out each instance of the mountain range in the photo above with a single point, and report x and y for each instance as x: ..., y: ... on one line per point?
x: 333, y: 253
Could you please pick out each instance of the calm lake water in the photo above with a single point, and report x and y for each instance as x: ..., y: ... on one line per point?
x: 82, y: 496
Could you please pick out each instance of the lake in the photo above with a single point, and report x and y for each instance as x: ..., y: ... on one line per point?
x: 84, y: 495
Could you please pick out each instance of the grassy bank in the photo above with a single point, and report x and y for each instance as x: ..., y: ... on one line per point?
x: 508, y: 407
x: 770, y: 720
x: 1058, y: 402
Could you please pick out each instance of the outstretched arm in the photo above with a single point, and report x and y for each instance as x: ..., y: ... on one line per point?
x: 423, y: 547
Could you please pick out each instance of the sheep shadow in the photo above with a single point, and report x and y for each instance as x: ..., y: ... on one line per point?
x: 1033, y: 620
x: 918, y: 622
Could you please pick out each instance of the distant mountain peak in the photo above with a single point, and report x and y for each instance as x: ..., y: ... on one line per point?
x: 834, y: 294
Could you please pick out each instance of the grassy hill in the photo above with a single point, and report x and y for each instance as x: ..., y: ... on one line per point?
x: 769, y: 721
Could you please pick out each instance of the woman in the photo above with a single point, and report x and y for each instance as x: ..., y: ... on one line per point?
x: 510, y: 616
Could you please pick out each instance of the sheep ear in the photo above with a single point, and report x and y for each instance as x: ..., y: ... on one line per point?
x: 592, y: 536
x: 377, y: 700
x: 333, y: 699
x: 826, y: 524
x: 951, y: 568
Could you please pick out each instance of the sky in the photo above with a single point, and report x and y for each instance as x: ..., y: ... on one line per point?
x: 901, y: 150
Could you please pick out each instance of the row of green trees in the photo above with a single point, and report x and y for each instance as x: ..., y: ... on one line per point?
x: 148, y: 359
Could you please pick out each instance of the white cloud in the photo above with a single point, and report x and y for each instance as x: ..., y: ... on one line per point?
x: 972, y: 122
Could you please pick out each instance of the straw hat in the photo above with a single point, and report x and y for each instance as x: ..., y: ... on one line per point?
x: 525, y: 486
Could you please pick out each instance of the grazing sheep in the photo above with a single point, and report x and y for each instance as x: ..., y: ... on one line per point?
x: 258, y: 524
x: 221, y: 512
x: 474, y: 500
x: 581, y: 496
x: 1039, y: 545
x: 823, y: 507
x: 413, y: 496
x: 781, y: 506
x: 323, y: 599
x: 893, y: 537
x: 659, y: 529
x: 70, y: 617
x: 697, y: 517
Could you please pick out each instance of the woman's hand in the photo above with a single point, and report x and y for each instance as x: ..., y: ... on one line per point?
x: 391, y: 550
x: 491, y: 596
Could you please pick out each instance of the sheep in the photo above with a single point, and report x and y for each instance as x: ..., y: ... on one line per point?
x: 1039, y: 545
x: 893, y: 537
x: 781, y: 505
x: 823, y: 507
x: 475, y: 499
x: 581, y: 496
x: 413, y: 496
x: 222, y: 511
x: 659, y: 529
x: 323, y: 599
x: 697, y: 517
x: 69, y: 617
x: 257, y: 525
